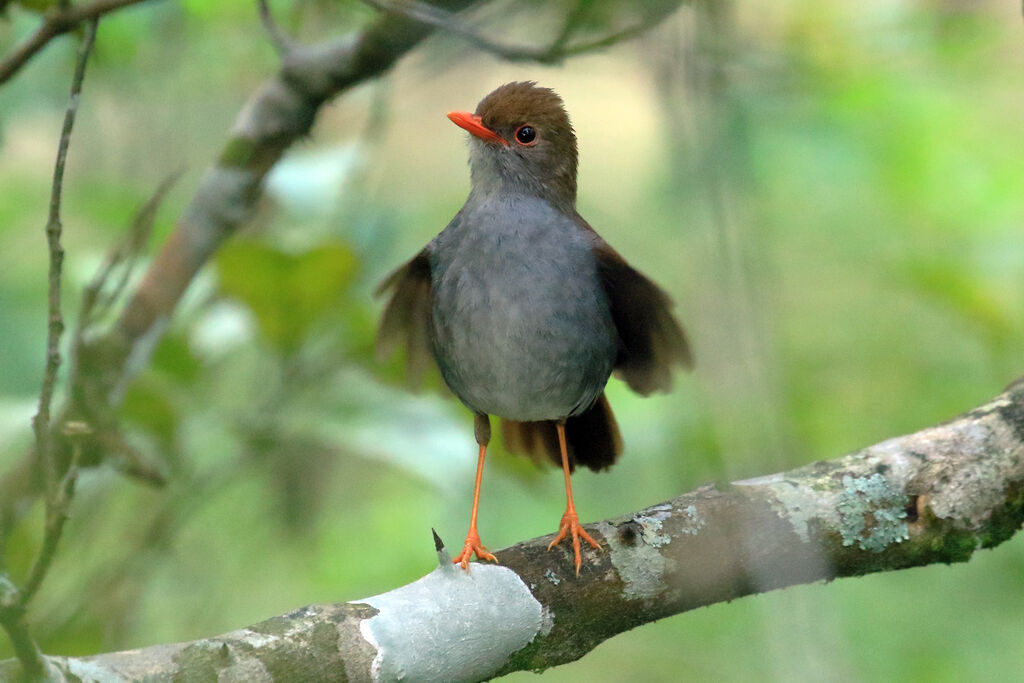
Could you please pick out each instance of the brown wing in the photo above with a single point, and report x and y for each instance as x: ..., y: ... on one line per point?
x: 652, y: 342
x: 407, y: 315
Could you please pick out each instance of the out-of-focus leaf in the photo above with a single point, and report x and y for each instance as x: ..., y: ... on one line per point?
x: 157, y: 400
x: 39, y: 6
x: 147, y: 406
x: 225, y: 9
x: 286, y: 292
x: 23, y: 543
x: 957, y: 289
x: 174, y: 357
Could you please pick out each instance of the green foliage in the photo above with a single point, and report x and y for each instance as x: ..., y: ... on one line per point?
x: 39, y: 6
x: 288, y: 293
x: 838, y: 218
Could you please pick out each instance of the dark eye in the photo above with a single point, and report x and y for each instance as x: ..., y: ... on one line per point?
x: 526, y: 135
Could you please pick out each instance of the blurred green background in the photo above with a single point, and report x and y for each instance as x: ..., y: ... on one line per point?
x: 832, y: 193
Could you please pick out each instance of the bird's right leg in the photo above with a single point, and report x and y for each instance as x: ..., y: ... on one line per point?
x: 482, y: 430
x: 570, y: 520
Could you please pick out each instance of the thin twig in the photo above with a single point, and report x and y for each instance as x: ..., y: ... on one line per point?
x: 551, y: 54
x: 56, y: 516
x: 33, y: 666
x: 572, y: 22
x: 127, y: 252
x: 58, y: 21
x: 55, y: 493
x: 55, y: 320
x: 59, y: 490
x: 278, y: 38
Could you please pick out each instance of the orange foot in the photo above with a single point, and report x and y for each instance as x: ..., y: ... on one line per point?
x: 571, y: 524
x: 471, y: 546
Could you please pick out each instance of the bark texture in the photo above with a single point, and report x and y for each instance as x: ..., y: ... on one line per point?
x: 934, y: 496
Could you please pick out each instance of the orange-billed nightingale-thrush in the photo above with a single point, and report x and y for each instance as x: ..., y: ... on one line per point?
x: 525, y: 309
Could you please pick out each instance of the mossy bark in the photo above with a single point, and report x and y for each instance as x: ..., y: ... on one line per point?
x: 935, y: 496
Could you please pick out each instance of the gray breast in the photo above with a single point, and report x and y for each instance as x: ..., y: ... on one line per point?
x: 522, y: 327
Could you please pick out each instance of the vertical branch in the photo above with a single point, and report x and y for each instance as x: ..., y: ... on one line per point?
x: 59, y: 488
x: 54, y: 228
x: 33, y: 666
x: 58, y: 485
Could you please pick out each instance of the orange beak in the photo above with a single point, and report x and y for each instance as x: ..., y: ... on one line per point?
x: 472, y: 123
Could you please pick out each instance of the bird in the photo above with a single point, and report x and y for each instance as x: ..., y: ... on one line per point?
x: 525, y: 309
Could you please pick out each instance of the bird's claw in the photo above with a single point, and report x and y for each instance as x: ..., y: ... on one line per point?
x: 473, y: 546
x: 571, y: 525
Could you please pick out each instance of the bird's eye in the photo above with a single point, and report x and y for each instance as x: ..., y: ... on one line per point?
x: 526, y: 135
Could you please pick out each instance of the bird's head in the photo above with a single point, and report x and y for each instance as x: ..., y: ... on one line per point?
x: 522, y: 143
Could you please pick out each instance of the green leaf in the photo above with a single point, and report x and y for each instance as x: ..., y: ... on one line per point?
x: 963, y: 293
x: 287, y: 293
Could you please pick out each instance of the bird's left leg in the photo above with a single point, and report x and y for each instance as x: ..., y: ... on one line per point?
x: 570, y: 520
x: 482, y: 430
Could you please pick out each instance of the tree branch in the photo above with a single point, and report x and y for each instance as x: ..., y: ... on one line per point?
x: 935, y: 496
x: 59, y: 489
x: 278, y: 38
x: 554, y: 53
x: 54, y: 230
x: 59, y: 20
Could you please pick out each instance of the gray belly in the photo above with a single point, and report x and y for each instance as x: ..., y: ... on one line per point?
x: 522, y: 328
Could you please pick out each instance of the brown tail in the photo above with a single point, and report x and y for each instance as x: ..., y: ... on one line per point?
x: 592, y: 438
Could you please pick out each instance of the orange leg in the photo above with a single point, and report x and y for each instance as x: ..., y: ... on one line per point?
x: 473, y: 544
x: 570, y: 520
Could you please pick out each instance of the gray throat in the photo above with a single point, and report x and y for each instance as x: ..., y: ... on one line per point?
x: 504, y: 172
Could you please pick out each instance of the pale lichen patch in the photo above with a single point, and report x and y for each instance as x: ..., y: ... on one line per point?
x: 692, y: 522
x: 872, y: 514
x: 87, y: 670
x: 651, y: 521
x: 640, y: 566
x: 975, y: 486
x: 650, y: 529
x: 256, y: 639
x: 796, y: 504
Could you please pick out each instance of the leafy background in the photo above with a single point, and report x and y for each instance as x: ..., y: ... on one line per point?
x: 830, y: 191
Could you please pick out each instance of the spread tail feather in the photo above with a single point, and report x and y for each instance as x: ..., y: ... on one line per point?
x: 592, y: 438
